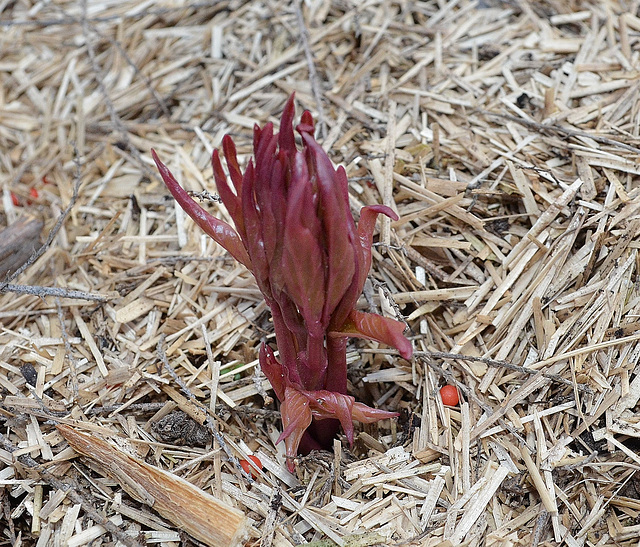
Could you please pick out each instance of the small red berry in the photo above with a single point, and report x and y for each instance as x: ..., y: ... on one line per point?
x: 15, y: 200
x: 449, y: 395
x: 34, y: 193
x: 248, y: 468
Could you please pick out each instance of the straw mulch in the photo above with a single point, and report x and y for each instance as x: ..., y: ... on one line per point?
x: 505, y: 135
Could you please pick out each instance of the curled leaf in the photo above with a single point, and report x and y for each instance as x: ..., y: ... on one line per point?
x: 367, y: 224
x: 296, y: 417
x: 375, y: 327
x: 273, y: 370
x: 300, y: 406
x: 218, y: 230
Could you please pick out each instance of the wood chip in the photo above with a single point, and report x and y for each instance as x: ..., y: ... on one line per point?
x: 199, y: 514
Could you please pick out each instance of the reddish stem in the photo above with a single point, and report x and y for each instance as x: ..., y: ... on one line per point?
x: 336, y: 377
x: 286, y: 342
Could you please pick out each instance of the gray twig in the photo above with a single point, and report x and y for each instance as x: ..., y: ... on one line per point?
x: 313, y: 73
x: 502, y: 364
x: 147, y: 81
x: 37, y: 290
x: 564, y: 131
x: 54, y: 231
x: 133, y: 15
x: 73, y: 369
x: 97, y: 71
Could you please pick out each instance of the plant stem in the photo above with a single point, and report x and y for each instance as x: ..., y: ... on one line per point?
x: 336, y: 378
x: 286, y: 342
x: 314, y: 376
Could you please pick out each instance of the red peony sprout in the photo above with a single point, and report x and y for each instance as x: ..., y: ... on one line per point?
x: 295, y: 232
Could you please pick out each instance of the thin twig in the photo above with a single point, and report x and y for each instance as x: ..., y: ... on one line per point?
x: 97, y: 72
x: 243, y: 410
x: 313, y: 73
x: 147, y: 81
x: 73, y: 368
x: 136, y: 407
x: 503, y: 364
x: 558, y: 130
x: 54, y: 231
x: 37, y: 290
x: 131, y: 15
x: 591, y: 457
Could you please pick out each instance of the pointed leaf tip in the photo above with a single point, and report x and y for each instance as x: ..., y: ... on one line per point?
x: 286, y: 139
x: 306, y: 124
x: 372, y: 326
x: 273, y: 370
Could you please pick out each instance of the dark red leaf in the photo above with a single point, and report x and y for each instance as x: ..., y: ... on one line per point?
x: 231, y: 156
x: 218, y: 230
x: 286, y: 139
x: 229, y: 198
x: 337, y: 223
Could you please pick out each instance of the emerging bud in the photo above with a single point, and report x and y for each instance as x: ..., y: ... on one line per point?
x: 295, y: 232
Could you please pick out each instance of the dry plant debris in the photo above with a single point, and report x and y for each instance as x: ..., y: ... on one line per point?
x: 506, y: 137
